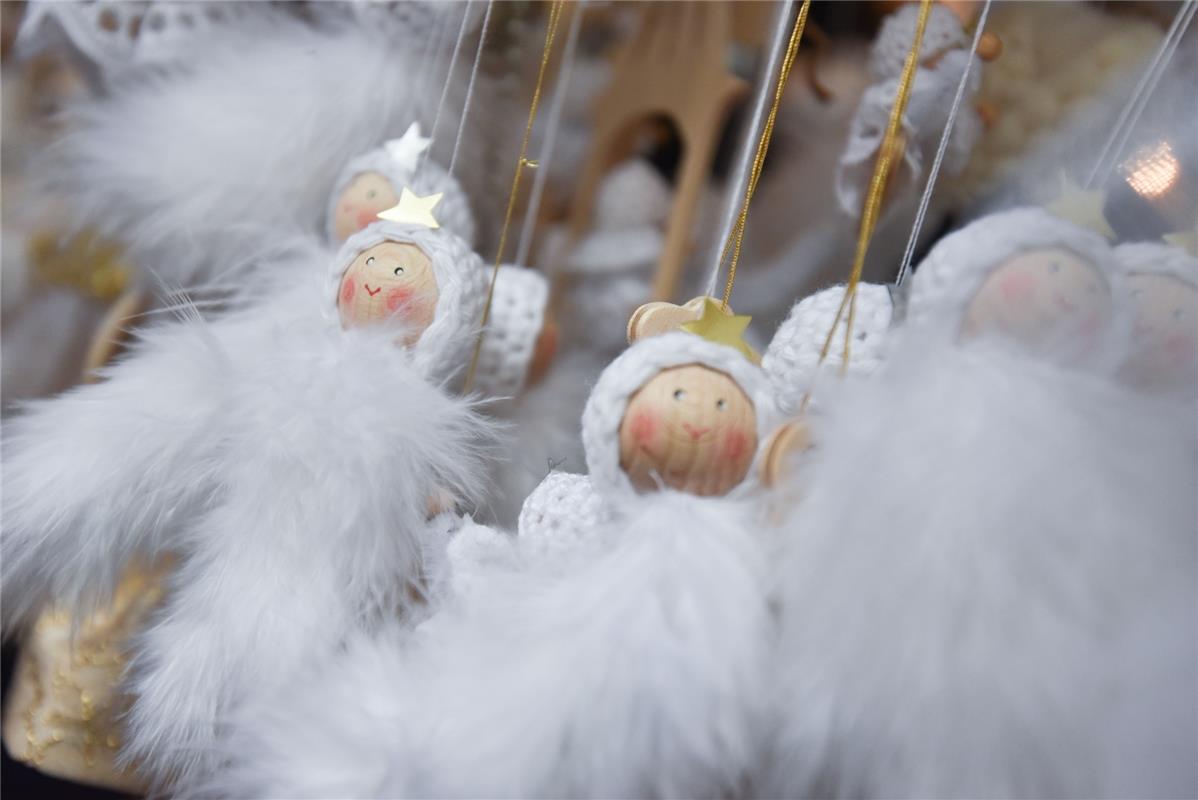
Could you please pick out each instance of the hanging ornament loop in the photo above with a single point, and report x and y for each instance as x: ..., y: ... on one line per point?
x: 736, y: 237
x: 555, y: 15
x: 873, y: 200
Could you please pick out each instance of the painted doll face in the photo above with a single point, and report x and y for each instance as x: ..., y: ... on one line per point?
x: 358, y: 206
x: 1045, y: 298
x: 1164, y: 351
x: 692, y: 428
x: 391, y: 281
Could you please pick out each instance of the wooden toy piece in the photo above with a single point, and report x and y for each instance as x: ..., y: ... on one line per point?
x: 112, y: 332
x: 1164, y: 351
x: 360, y: 203
x: 792, y: 438
x: 1040, y: 297
x: 674, y: 68
x: 691, y: 428
x: 388, y: 281
x: 658, y: 317
x: 543, y: 352
x: 989, y: 47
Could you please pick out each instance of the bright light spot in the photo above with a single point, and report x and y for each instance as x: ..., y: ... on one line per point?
x: 1153, y: 170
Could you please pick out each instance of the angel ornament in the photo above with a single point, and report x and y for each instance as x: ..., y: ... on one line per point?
x: 288, y: 453
x: 372, y: 183
x: 1163, y: 284
x: 1026, y: 277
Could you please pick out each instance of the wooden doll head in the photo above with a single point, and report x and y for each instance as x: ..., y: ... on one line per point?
x: 1040, y: 297
x: 1164, y: 350
x: 360, y: 202
x: 389, y: 282
x: 691, y: 428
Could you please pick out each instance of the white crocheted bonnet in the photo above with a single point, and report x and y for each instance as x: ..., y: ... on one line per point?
x: 955, y: 269
x: 461, y: 290
x: 790, y: 360
x: 1158, y: 258
x: 517, y: 318
x: 630, y: 371
x: 889, y: 52
x: 452, y: 212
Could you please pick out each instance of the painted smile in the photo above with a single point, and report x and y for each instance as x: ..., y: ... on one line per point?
x: 372, y: 293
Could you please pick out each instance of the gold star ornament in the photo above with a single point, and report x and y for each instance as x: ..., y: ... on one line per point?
x: 1081, y: 207
x: 723, y: 327
x: 412, y: 209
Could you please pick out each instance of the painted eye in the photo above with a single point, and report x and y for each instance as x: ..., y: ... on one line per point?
x: 399, y: 271
x: 370, y: 261
x: 720, y: 404
x: 370, y: 195
x: 679, y: 394
x: 1054, y: 267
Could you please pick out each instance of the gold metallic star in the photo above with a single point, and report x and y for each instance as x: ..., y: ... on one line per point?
x: 1081, y: 207
x: 407, y: 149
x: 723, y: 327
x: 413, y: 209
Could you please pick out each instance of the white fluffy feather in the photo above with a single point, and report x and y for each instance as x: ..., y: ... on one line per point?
x: 637, y: 674
x: 286, y: 461
x: 972, y: 587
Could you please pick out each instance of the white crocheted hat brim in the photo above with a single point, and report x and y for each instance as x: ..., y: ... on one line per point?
x: 955, y: 269
x: 889, y: 52
x: 1158, y: 258
x: 516, y: 320
x: 452, y: 212
x: 630, y: 371
x: 791, y: 359
x: 461, y: 290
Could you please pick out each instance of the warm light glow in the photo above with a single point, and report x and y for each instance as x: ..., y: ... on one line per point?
x: 1153, y: 170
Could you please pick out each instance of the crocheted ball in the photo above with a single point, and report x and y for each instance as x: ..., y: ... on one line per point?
x: 452, y: 212
x: 943, y: 32
x: 444, y: 346
x: 638, y: 364
x: 632, y: 195
x: 517, y: 318
x: 792, y: 357
x: 557, y: 515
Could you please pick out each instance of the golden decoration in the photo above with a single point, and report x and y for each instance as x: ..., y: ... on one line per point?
x: 1080, y: 207
x: 722, y: 327
x: 412, y: 209
x: 85, y: 262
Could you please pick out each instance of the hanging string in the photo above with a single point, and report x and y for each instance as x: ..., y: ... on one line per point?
x: 930, y: 186
x: 735, y: 240
x: 744, y: 166
x: 555, y: 14
x: 478, y: 55
x: 453, y: 61
x: 873, y: 200
x: 1139, y: 97
x: 556, y: 106
x: 430, y: 54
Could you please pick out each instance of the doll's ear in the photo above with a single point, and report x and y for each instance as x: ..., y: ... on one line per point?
x: 789, y: 440
x: 656, y: 318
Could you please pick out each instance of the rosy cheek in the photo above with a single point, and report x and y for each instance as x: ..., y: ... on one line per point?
x: 736, y: 444
x: 366, y: 217
x: 347, y: 290
x: 397, y: 298
x: 1017, y: 287
x: 644, y: 427
x: 1179, y: 347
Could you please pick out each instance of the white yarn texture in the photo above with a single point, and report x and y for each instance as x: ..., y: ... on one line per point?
x: 943, y: 32
x: 453, y: 211
x: 517, y: 318
x: 792, y: 358
x: 1157, y: 258
x: 461, y: 288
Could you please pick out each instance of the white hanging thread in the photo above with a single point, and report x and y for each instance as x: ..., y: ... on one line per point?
x: 478, y: 54
x: 429, y: 54
x: 453, y: 61
x: 1139, y: 97
x: 765, y: 92
x: 556, y: 106
x: 930, y: 186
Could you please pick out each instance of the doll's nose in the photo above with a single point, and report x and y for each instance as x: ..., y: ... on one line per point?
x: 694, y: 431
